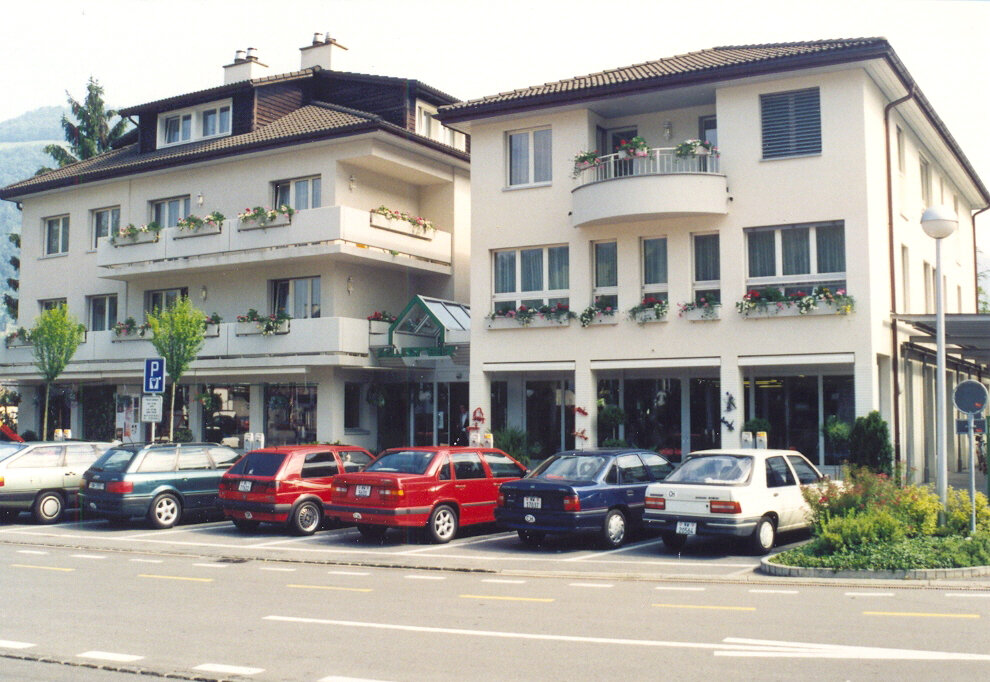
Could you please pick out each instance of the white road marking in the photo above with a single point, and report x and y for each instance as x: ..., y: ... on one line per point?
x: 455, y: 543
x: 348, y: 573
x: 761, y: 591
x: 110, y: 656
x: 31, y: 551
x: 11, y: 644
x: 425, y: 577
x: 869, y: 594
x: 503, y: 581
x: 228, y: 669
x: 276, y: 568
x: 679, y: 589
x: 625, y: 548
x: 975, y: 595
x: 212, y: 565
x: 728, y: 647
x: 147, y: 561
x: 590, y: 585
x: 88, y: 556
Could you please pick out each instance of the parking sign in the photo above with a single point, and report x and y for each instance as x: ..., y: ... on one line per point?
x: 154, y: 375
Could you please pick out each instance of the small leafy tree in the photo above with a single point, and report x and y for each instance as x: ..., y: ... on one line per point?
x: 54, y: 338
x: 869, y: 444
x: 178, y: 337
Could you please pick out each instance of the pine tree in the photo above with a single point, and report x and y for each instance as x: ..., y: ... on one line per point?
x: 94, y: 131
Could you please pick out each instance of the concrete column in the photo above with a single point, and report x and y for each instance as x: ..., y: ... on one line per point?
x: 685, y: 380
x: 731, y: 382
x: 256, y: 409
x: 76, y: 418
x: 329, y: 406
x: 195, y: 413
x: 480, y: 395
x: 585, y: 395
x: 865, y: 387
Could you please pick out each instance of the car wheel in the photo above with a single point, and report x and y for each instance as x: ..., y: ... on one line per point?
x: 165, y: 511
x: 47, y: 507
x: 673, y: 541
x: 246, y: 524
x: 761, y: 542
x: 614, y: 529
x: 531, y: 537
x: 442, y: 526
x: 371, y: 532
x: 306, y: 518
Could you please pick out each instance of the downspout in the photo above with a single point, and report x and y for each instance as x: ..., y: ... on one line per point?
x: 976, y: 265
x: 895, y: 402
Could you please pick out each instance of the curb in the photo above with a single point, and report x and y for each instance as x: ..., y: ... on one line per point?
x: 782, y: 571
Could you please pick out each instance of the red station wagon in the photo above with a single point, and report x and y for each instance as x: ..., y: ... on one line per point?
x: 439, y: 488
x: 287, y: 484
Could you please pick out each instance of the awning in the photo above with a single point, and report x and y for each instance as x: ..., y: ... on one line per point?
x: 966, y: 335
x: 428, y: 332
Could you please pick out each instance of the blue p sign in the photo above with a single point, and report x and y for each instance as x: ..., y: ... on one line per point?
x: 154, y: 375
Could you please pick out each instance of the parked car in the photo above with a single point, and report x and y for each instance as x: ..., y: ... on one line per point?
x: 43, y: 477
x: 287, y: 485
x: 438, y: 488
x: 157, y: 481
x: 752, y: 494
x: 581, y: 491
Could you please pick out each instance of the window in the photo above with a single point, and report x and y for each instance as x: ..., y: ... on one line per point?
x: 102, y: 312
x: 925, y: 173
x: 606, y: 290
x: 45, y: 456
x: 529, y: 157
x: 319, y: 465
x: 658, y: 466
x: 706, y: 268
x: 796, y: 257
x: 352, y: 405
x: 906, y: 279
x: 223, y: 458
x: 178, y: 129
x: 708, y: 129
x: 106, y: 221
x: 632, y: 469
x: 900, y: 149
x: 212, y: 119
x: 56, y: 235
x: 778, y: 473
x: 160, y: 299
x: 354, y: 460
x: 168, y: 212
x: 806, y: 475
x: 501, y: 466
x: 215, y: 121
x: 655, y: 268
x: 428, y: 126
x: 51, y: 303
x: 467, y: 465
x: 162, y: 459
x: 299, y: 298
x: 194, y: 459
x: 80, y: 456
x: 791, y: 123
x: 929, y: 289
x: 531, y: 277
x: 300, y: 193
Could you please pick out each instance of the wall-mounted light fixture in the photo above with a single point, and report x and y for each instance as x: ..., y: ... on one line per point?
x: 199, y: 199
x: 202, y: 292
x: 668, y: 130
x: 350, y: 284
x: 351, y: 182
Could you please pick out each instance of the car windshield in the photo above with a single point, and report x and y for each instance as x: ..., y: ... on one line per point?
x: 258, y: 464
x: 404, y: 462
x: 714, y: 470
x: 570, y: 467
x: 114, y: 459
x: 7, y: 449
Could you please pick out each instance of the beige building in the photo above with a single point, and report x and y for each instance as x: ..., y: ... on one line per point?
x: 118, y: 235
x: 699, y: 284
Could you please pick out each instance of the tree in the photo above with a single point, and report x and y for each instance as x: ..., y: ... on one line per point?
x: 54, y: 338
x: 94, y: 131
x: 9, y: 299
x: 178, y: 333
x: 869, y: 444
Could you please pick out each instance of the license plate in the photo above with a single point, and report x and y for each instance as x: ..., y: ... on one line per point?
x: 362, y: 490
x: 96, y: 485
x: 532, y: 502
x: 244, y: 486
x: 685, y: 528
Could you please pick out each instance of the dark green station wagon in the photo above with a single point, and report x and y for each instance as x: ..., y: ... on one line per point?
x: 158, y: 481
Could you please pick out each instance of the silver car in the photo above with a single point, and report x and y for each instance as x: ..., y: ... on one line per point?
x: 43, y: 477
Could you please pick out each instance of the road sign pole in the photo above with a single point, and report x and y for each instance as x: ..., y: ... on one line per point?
x: 152, y: 432
x: 972, y: 477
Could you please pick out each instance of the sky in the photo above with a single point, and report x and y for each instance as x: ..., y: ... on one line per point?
x: 143, y: 50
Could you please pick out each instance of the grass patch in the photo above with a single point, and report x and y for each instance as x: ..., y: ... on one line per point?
x: 926, y: 551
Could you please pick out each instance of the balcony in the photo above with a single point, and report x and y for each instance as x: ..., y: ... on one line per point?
x: 658, y: 185
x: 336, y: 232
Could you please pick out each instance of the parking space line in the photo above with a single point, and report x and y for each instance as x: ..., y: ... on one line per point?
x: 360, y: 573
x: 110, y: 656
x: 462, y: 543
x: 425, y: 577
x: 761, y: 591
x: 175, y: 577
x: 147, y: 561
x: 277, y: 568
x: 542, y: 600
x: 31, y: 551
x: 916, y: 614
x: 869, y: 594
x: 334, y: 588
x: 11, y: 644
x: 624, y: 548
x: 707, y: 607
x: 87, y: 556
x: 338, y: 678
x: 44, y: 568
x: 212, y: 565
x: 228, y: 669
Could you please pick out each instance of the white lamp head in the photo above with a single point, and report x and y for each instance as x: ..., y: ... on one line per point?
x: 939, y: 222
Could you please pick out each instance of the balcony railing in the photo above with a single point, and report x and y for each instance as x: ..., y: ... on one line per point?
x: 657, y: 161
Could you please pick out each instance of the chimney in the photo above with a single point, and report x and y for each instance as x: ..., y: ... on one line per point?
x: 245, y: 67
x: 318, y: 53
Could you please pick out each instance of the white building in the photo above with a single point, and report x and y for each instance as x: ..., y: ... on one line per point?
x: 334, y: 146
x: 822, y: 173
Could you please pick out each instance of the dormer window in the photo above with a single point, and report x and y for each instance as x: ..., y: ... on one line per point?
x: 195, y: 123
x: 429, y: 126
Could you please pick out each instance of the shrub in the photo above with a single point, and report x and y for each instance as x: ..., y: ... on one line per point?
x: 958, y: 512
x: 614, y: 443
x: 836, y: 433
x: 848, y: 532
x: 516, y: 443
x: 29, y: 435
x: 757, y: 424
x: 869, y: 443
x: 911, y: 553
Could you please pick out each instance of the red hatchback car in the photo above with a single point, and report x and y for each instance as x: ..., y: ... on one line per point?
x: 439, y: 488
x: 287, y: 484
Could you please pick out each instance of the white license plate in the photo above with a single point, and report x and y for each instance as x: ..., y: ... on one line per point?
x: 685, y: 528
x: 532, y: 502
x: 96, y: 485
x: 244, y: 486
x: 362, y: 490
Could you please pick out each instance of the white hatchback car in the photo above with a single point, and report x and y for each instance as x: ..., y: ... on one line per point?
x: 742, y: 493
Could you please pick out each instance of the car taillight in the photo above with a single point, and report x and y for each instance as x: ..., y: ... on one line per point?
x: 392, y: 493
x: 725, y: 507
x: 501, y: 499
x: 1, y: 481
x: 340, y: 489
x: 572, y: 503
x: 120, y: 487
x: 655, y: 502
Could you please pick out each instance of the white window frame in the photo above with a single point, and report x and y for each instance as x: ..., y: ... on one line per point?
x: 195, y: 115
x: 530, y: 298
x: 62, y: 223
x: 925, y: 182
x: 51, y: 303
x: 292, y: 187
x: 780, y: 280
x: 108, y: 321
x: 113, y: 223
x: 170, y: 220
x: 293, y: 283
x: 174, y: 293
x: 698, y: 285
x: 597, y: 292
x: 659, y: 290
x: 531, y: 151
x: 792, y: 127
x: 429, y: 126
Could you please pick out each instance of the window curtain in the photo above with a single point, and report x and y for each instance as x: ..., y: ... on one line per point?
x: 531, y: 269
x: 519, y: 159
x: 831, y: 243
x: 605, y: 265
x: 796, y: 252
x: 706, y: 262
x: 761, y: 253
x: 655, y: 261
x: 541, y: 156
x: 505, y: 272
x: 559, y: 264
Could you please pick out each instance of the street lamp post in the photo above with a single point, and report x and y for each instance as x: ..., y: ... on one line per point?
x: 939, y: 222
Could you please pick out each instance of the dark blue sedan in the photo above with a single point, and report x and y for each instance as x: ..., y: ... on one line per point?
x: 581, y: 491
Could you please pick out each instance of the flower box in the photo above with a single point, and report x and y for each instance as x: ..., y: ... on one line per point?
x: 785, y: 310
x: 212, y: 330
x: 536, y: 322
x: 281, y: 221
x: 135, y: 335
x: 601, y: 320
x: 702, y: 314
x: 648, y: 316
x: 18, y: 343
x: 401, y: 226
x: 201, y: 232
x: 249, y: 328
x: 378, y: 326
x: 139, y: 238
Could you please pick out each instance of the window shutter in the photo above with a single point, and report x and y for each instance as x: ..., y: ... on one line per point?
x: 792, y: 123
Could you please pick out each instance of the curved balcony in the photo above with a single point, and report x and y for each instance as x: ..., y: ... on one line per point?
x: 658, y: 185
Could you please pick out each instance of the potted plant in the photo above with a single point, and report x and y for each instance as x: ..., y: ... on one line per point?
x: 584, y: 161
x: 262, y: 216
x: 133, y: 234
x: 420, y: 226
x: 192, y: 223
x: 558, y: 312
x: 130, y: 329
x: 252, y: 322
x: 379, y: 321
x: 595, y: 312
x: 695, y: 147
x: 211, y: 324
x: 523, y: 314
x: 634, y: 147
x: 650, y: 309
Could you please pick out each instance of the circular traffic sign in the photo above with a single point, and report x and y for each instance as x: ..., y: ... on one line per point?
x: 970, y: 397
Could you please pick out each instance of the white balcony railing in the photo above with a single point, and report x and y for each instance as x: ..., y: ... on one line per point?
x: 658, y: 161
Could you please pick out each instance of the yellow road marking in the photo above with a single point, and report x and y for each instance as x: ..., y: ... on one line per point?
x: 43, y: 568
x: 175, y: 577
x: 913, y: 614
x: 331, y: 587
x: 705, y: 606
x: 488, y: 596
